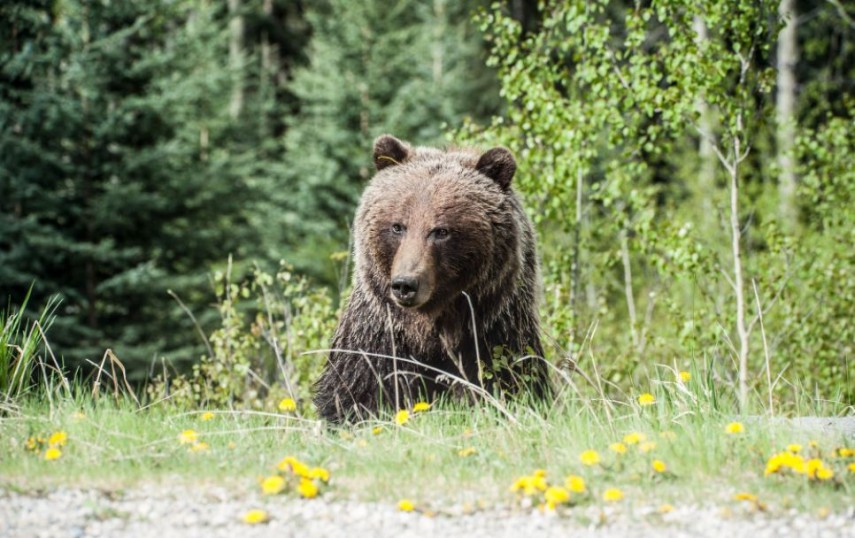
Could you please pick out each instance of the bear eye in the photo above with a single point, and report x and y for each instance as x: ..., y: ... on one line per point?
x: 440, y: 233
x: 397, y: 229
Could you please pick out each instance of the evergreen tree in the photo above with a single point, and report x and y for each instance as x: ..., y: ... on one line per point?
x: 117, y: 182
x: 410, y: 68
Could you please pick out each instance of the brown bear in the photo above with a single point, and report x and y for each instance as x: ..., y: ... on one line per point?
x: 445, y: 286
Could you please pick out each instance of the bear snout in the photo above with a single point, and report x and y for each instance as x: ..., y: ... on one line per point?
x: 405, y: 289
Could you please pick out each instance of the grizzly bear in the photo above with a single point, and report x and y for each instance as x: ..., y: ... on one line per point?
x: 445, y: 286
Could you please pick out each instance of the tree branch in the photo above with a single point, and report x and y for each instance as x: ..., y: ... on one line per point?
x: 842, y: 12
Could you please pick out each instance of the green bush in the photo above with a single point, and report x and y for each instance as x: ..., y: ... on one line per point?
x: 608, y: 113
x: 268, y: 346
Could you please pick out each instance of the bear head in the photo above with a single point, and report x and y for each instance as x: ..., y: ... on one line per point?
x: 432, y: 224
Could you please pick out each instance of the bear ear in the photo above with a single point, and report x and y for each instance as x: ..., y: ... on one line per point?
x: 389, y: 151
x: 499, y: 165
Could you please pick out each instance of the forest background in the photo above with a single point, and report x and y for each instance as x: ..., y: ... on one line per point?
x: 172, y: 168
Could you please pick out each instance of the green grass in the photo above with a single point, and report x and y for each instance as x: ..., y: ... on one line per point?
x: 20, y: 343
x: 117, y: 446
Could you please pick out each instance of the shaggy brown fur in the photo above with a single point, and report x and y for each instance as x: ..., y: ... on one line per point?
x: 434, y: 227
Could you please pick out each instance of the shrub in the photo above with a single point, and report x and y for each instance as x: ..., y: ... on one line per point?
x: 263, y: 350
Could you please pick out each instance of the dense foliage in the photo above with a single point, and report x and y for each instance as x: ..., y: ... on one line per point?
x: 644, y: 135
x: 118, y: 174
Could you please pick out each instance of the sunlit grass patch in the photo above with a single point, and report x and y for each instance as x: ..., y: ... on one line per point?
x: 452, y: 454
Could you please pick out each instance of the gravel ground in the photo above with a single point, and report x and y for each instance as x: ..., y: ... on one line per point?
x: 160, y: 512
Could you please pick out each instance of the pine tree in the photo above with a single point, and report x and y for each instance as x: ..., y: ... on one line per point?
x: 117, y: 182
x: 410, y: 68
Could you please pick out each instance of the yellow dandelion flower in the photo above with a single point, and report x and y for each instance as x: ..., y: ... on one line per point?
x: 575, y: 484
x: 665, y: 508
x: 824, y: 473
x: 199, y: 446
x: 206, y: 416
x: 272, y: 485
x: 684, y: 376
x: 307, y: 489
x: 851, y: 467
x: 555, y: 495
x: 538, y: 483
x: 786, y: 460
x: 618, y: 448
x: 531, y: 484
x: 420, y: 407
x: 188, y: 437
x: 32, y: 445
x: 294, y: 466
x: 377, y: 430
x: 797, y: 464
x: 612, y: 495
x: 318, y: 473
x: 734, y: 428
x: 659, y: 466
x: 58, y: 439
x: 774, y: 464
x: 589, y: 457
x: 743, y: 496
x: 401, y: 417
x: 815, y: 468
x: 647, y: 446
x: 53, y: 453
x: 466, y: 452
x: 813, y: 443
x: 287, y: 405
x: 300, y: 469
x: 794, y: 448
x: 254, y: 517
x: 406, y: 505
x: 647, y: 399
x: 812, y: 466
x: 634, y: 438
x: 540, y: 473
x: 846, y: 452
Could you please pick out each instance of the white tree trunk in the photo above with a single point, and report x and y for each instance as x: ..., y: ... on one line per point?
x: 732, y: 165
x: 438, y: 49
x: 236, y: 58
x: 785, y: 104
x: 706, y: 172
x: 266, y: 49
x: 627, y: 287
x: 742, y: 330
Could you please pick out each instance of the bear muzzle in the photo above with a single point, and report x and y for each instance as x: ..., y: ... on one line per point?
x: 405, y: 290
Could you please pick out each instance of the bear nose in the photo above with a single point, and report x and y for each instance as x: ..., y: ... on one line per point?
x: 405, y: 287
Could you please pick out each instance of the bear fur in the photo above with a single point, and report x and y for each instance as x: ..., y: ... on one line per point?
x: 442, y: 246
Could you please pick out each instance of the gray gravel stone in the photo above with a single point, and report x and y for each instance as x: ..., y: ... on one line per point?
x: 163, y: 512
